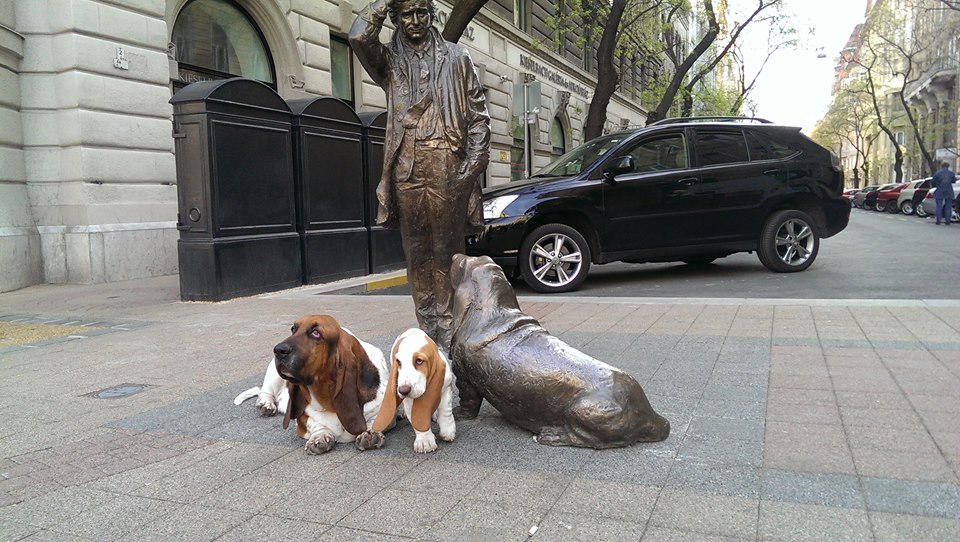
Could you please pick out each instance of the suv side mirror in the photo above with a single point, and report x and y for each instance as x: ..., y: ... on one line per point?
x: 620, y: 165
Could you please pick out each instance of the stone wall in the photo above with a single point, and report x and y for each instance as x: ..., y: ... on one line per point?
x: 96, y: 147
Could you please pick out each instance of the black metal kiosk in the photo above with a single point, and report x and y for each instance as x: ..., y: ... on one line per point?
x: 386, y: 251
x: 236, y: 194
x: 328, y: 169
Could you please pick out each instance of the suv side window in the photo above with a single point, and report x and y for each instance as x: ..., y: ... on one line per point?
x: 766, y: 147
x: 720, y: 147
x: 660, y: 154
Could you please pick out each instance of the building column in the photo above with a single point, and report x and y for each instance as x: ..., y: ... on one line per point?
x: 19, y: 239
x: 97, y: 150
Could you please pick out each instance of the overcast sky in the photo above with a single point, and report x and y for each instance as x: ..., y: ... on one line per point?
x: 794, y: 88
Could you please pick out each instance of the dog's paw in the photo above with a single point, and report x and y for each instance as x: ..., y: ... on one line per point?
x: 369, y: 439
x: 320, y: 443
x: 448, y: 429
x: 425, y: 442
x: 266, y: 408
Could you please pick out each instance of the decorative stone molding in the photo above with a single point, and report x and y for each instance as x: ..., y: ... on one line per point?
x: 11, y: 48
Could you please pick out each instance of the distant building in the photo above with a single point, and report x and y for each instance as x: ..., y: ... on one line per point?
x: 924, y: 71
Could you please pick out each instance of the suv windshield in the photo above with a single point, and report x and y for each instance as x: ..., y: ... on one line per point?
x: 582, y: 157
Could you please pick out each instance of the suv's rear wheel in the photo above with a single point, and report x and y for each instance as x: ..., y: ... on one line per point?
x: 907, y: 208
x: 789, y: 242
x: 921, y: 212
x: 554, y: 258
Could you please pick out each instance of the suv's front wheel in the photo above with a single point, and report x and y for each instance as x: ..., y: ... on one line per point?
x: 789, y: 242
x: 554, y: 258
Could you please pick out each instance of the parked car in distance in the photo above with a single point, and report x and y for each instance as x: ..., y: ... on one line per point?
x: 849, y: 193
x: 862, y: 194
x: 928, y: 205
x: 887, y: 199
x: 687, y: 189
x: 870, y: 198
x: 912, y: 195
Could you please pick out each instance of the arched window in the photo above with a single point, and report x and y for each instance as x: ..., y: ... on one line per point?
x: 216, y: 39
x: 557, y: 138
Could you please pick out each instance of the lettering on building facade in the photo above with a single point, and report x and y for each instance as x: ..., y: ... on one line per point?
x: 553, y: 76
x: 442, y: 17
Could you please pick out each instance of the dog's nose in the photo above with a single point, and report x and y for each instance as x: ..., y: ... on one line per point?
x: 404, y: 390
x: 282, y: 350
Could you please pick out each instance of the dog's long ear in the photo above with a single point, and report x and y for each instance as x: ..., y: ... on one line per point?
x: 296, y: 406
x: 388, y: 408
x: 346, y: 395
x: 425, y: 405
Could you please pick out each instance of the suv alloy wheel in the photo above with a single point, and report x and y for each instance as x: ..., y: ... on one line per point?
x: 789, y: 242
x: 554, y: 258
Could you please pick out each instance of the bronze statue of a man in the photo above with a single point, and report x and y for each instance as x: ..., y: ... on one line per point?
x: 437, y: 145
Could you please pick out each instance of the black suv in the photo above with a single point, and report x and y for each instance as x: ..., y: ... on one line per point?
x: 684, y: 189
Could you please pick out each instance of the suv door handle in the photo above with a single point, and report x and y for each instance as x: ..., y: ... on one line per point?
x: 688, y: 181
x: 774, y: 171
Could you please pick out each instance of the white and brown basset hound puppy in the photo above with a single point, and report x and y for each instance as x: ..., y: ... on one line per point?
x: 335, y: 382
x: 422, y: 381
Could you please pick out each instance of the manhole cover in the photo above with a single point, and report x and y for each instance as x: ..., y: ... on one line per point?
x: 117, y: 392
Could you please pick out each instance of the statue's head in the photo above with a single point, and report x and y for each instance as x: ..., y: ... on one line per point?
x: 413, y: 18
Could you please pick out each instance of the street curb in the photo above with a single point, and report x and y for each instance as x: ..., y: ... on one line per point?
x: 354, y: 285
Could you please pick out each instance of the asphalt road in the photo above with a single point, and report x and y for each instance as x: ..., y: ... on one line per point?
x: 878, y: 256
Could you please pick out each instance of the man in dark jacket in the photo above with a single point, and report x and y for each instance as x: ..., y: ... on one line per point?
x: 437, y: 145
x: 943, y: 181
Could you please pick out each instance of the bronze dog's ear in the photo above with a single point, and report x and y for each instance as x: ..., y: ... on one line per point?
x: 346, y: 395
x: 425, y: 405
x: 388, y: 408
x: 296, y: 406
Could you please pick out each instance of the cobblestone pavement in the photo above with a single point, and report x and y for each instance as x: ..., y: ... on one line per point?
x: 792, y: 420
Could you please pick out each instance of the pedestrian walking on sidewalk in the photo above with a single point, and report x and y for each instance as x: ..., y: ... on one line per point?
x: 943, y: 181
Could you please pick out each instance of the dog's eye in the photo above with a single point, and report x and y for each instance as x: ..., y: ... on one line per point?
x: 293, y: 329
x: 315, y: 333
x: 418, y: 362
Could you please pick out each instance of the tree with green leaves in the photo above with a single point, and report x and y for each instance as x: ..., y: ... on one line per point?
x: 850, y: 124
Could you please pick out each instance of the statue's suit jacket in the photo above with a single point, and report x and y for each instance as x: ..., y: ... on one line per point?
x: 457, y: 94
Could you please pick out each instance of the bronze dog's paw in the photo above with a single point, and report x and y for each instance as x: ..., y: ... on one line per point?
x: 369, y: 439
x: 465, y: 412
x: 320, y: 444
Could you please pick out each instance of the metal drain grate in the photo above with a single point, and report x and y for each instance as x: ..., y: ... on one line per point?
x: 117, y: 392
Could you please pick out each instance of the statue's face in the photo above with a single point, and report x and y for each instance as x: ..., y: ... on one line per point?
x: 414, y: 19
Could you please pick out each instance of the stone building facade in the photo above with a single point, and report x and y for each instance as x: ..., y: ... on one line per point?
x: 88, y: 187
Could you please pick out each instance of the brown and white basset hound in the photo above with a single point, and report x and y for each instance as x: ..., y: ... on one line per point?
x: 422, y: 382
x: 335, y: 381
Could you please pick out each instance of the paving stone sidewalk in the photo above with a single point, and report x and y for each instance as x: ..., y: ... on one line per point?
x: 792, y: 420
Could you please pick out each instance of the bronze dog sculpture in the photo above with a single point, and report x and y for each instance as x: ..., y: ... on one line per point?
x: 535, y: 380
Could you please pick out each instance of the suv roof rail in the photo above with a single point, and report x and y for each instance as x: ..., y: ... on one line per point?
x: 677, y: 120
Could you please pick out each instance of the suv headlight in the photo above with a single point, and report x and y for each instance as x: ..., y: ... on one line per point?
x: 495, y: 207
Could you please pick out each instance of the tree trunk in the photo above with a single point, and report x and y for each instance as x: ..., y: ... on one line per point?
x: 607, y: 75
x: 460, y: 17
x: 671, y: 93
